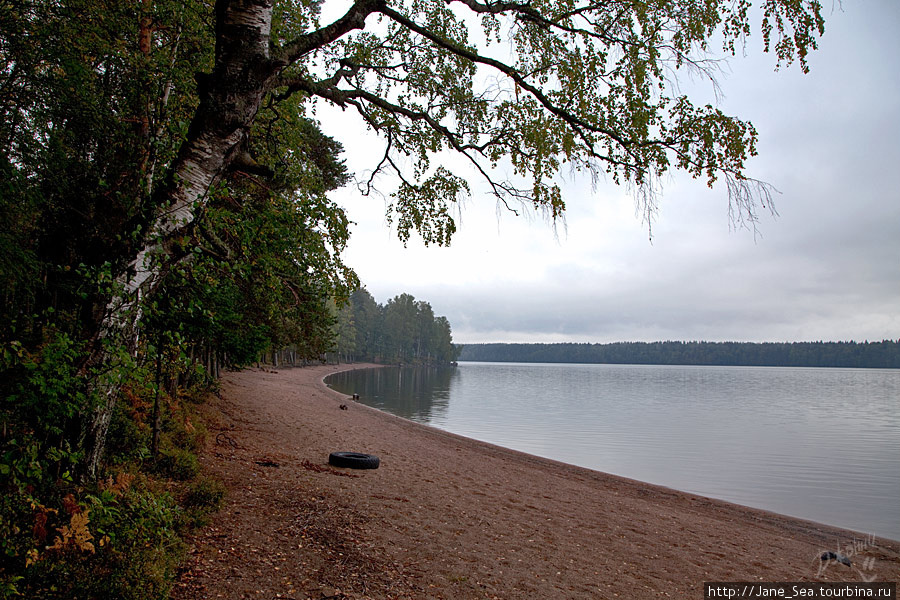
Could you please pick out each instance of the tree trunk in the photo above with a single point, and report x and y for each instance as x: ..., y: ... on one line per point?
x: 157, y: 409
x: 229, y: 99
x: 245, y: 71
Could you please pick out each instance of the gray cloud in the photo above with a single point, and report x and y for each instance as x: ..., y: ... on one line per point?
x: 827, y: 268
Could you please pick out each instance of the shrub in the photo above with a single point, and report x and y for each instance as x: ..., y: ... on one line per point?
x: 205, y: 493
x: 119, y: 540
x: 178, y: 463
x: 202, y: 498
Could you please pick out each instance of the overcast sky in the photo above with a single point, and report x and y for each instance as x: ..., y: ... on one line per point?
x: 826, y: 268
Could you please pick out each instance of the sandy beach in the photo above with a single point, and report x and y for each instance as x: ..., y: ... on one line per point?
x: 449, y: 517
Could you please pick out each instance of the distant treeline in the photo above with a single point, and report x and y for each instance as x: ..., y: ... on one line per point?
x: 404, y: 330
x: 884, y: 354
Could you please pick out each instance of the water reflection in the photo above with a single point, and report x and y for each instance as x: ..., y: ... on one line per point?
x: 420, y: 394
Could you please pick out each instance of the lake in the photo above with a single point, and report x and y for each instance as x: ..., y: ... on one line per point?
x: 820, y: 444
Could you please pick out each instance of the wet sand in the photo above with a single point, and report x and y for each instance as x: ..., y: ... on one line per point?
x: 450, y: 517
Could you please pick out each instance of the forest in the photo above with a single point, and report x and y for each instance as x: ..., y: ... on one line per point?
x: 404, y: 331
x: 870, y: 355
x: 101, y: 381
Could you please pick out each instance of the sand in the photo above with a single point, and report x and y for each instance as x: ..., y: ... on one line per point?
x: 450, y: 517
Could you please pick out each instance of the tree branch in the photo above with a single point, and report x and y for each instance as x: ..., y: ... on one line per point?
x: 355, y: 18
x: 579, y: 125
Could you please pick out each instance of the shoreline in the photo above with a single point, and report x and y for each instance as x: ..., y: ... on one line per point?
x: 696, y: 487
x: 451, y: 517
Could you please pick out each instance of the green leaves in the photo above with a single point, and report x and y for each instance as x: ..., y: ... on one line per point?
x: 424, y: 207
x: 795, y: 25
x: 545, y: 86
x: 48, y: 393
x: 266, y: 254
x: 403, y: 330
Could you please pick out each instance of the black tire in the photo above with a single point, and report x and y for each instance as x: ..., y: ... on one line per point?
x: 353, y: 460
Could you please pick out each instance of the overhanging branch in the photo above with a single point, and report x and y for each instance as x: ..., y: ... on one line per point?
x: 355, y: 18
x: 579, y: 125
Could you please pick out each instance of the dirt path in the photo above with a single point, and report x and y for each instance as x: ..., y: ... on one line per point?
x: 448, y: 517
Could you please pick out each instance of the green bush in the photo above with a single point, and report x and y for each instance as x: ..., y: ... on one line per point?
x: 205, y: 493
x: 178, y: 463
x: 202, y: 498
x: 15, y: 540
x: 119, y: 542
x: 44, y: 398
x: 118, y: 538
x: 128, y: 438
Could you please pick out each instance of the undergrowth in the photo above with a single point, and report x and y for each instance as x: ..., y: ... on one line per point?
x: 119, y: 537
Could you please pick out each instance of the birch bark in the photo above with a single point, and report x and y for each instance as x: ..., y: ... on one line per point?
x: 246, y: 69
x: 229, y: 99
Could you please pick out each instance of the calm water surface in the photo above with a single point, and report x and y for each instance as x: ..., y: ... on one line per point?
x: 821, y: 444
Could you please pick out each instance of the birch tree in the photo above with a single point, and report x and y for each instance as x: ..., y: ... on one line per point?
x: 540, y: 87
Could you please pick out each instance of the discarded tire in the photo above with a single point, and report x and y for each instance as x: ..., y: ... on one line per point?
x: 353, y: 460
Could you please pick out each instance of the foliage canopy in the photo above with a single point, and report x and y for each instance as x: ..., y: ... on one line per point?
x: 541, y: 87
x: 404, y: 330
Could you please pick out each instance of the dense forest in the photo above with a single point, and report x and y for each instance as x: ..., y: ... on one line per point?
x: 884, y: 354
x: 100, y: 380
x: 404, y: 330
x: 101, y: 375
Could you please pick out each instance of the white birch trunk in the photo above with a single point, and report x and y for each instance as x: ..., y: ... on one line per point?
x: 227, y: 109
x: 229, y: 99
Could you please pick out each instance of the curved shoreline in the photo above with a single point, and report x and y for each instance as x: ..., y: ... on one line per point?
x: 451, y: 517
x: 554, y: 445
